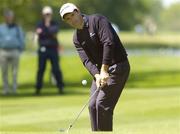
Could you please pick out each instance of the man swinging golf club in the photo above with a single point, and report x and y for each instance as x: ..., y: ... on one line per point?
x: 104, y: 56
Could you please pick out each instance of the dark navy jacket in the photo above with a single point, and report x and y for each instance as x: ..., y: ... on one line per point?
x: 98, y: 43
x: 48, y: 37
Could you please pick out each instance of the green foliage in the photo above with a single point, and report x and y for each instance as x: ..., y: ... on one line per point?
x: 170, y: 18
x: 125, y: 13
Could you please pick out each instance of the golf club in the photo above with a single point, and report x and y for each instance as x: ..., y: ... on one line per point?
x: 73, y: 122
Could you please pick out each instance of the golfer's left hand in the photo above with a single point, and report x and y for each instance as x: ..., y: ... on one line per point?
x: 98, y: 80
x: 104, y: 78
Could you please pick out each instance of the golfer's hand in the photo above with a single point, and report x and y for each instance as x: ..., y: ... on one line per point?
x: 104, y: 75
x: 98, y: 80
x: 104, y: 78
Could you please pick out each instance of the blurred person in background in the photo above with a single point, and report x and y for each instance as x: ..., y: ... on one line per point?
x: 12, y: 43
x: 47, y: 30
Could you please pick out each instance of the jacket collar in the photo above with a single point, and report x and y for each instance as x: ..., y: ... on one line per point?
x: 11, y: 25
x: 86, y: 23
x: 86, y: 20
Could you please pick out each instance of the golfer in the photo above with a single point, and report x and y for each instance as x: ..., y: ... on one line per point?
x: 104, y: 56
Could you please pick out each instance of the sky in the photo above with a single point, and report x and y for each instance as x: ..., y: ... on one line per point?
x: 167, y: 3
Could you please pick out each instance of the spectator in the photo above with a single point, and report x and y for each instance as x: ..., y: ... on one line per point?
x: 47, y: 30
x: 11, y: 45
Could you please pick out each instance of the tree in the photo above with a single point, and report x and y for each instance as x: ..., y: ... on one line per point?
x: 125, y: 13
x: 170, y: 18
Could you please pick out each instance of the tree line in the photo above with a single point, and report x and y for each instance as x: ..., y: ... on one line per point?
x: 124, y: 13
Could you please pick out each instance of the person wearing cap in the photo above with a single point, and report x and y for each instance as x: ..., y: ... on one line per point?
x: 47, y: 30
x: 12, y: 43
x: 104, y: 56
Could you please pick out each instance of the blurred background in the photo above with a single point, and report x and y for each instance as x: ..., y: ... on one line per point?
x: 150, y: 32
x: 148, y: 29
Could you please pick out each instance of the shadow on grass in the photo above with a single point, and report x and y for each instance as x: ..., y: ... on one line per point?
x: 28, y: 90
x: 147, y: 79
x: 29, y: 93
x: 153, y: 79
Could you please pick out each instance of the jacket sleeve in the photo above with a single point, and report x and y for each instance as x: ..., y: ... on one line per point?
x: 39, y: 25
x: 53, y: 29
x: 48, y: 31
x: 1, y: 40
x: 86, y: 61
x: 21, y: 38
x: 105, y: 33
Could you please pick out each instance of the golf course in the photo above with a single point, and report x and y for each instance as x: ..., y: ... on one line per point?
x: 149, y: 104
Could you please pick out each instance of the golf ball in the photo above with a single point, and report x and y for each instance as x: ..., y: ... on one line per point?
x: 84, y: 82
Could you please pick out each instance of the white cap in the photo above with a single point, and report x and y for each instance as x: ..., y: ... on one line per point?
x: 47, y: 10
x: 67, y: 8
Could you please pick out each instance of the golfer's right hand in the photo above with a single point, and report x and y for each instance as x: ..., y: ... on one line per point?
x: 98, y: 80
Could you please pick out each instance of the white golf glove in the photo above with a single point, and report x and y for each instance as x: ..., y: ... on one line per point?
x: 98, y: 80
x: 101, y: 79
x: 104, y: 78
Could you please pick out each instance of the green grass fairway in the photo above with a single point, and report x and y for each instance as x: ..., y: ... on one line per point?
x: 146, y: 71
x: 150, y: 104
x: 133, y: 40
x: 138, y: 112
x: 129, y: 39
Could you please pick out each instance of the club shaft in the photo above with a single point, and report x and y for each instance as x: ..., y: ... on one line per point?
x: 82, y: 109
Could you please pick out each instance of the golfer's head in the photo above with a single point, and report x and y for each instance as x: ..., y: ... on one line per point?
x: 71, y: 15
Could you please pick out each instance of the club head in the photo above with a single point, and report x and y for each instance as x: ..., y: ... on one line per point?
x: 65, y: 130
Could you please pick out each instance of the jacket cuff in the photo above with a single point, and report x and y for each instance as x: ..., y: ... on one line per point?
x: 93, y: 72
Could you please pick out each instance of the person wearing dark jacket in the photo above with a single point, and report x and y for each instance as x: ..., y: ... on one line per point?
x: 47, y: 30
x: 104, y: 56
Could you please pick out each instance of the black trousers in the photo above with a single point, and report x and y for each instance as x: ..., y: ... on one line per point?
x: 102, y: 105
x: 52, y: 55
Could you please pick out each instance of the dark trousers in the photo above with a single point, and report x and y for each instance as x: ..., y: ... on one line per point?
x: 102, y: 105
x: 52, y: 55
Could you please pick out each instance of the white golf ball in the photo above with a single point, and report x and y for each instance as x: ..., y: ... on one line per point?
x: 84, y: 82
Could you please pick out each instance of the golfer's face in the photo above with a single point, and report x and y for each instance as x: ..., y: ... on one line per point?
x: 74, y: 19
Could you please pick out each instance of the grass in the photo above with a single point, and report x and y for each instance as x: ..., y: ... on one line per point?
x: 146, y: 71
x: 150, y: 103
x: 154, y: 71
x: 130, y: 40
x: 159, y: 40
x: 133, y: 40
x: 139, y: 111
